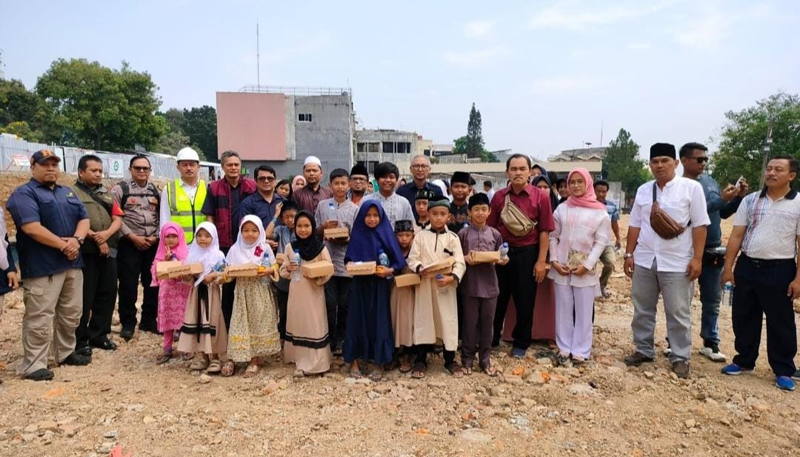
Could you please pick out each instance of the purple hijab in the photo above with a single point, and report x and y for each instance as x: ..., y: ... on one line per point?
x: 365, y: 242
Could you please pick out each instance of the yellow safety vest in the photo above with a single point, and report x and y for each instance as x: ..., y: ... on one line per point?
x: 183, y: 211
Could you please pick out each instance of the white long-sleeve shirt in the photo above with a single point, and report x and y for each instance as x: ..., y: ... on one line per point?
x: 583, y: 230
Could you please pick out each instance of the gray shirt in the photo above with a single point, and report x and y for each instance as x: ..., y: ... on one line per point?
x: 345, y: 213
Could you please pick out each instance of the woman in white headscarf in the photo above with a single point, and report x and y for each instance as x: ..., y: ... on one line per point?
x: 441, y: 185
x: 254, y: 324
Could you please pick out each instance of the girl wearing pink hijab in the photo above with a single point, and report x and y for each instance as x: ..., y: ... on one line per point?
x: 581, y: 235
x: 298, y: 183
x: 172, y: 293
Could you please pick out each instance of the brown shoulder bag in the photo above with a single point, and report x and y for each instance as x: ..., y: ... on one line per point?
x: 663, y: 224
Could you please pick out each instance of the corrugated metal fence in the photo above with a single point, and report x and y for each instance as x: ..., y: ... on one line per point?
x: 15, y: 156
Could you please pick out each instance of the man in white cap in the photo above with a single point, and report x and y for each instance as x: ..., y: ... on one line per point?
x: 308, y: 197
x: 182, y: 199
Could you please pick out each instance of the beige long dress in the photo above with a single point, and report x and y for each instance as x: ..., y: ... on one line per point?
x: 203, y: 324
x: 402, y: 306
x: 436, y: 312
x: 307, y: 343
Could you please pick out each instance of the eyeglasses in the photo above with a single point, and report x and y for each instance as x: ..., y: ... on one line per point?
x: 141, y: 168
x: 420, y: 166
x: 701, y: 159
x: 266, y: 179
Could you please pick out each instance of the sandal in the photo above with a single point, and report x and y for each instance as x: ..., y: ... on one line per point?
x: 227, y: 369
x: 405, y: 366
x: 418, y: 370
x: 490, y: 371
x: 200, y: 363
x: 376, y: 376
x: 187, y: 356
x: 164, y: 358
x: 455, y: 370
x: 214, y: 367
x: 251, y: 371
x: 467, y: 370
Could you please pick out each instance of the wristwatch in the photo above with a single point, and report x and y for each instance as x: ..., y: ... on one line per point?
x: 628, y: 255
x: 80, y: 240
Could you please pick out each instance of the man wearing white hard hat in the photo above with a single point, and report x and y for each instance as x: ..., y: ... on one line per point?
x: 308, y: 197
x: 182, y: 199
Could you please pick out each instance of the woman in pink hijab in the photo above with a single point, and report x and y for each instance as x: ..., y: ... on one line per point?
x: 298, y: 183
x: 581, y: 234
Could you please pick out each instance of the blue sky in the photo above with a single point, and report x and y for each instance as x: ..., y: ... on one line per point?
x: 545, y: 74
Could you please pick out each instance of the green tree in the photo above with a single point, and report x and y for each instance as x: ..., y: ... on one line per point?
x: 622, y: 163
x: 23, y: 130
x: 18, y: 104
x: 474, y: 146
x: 200, y: 126
x: 741, y: 148
x: 93, y: 106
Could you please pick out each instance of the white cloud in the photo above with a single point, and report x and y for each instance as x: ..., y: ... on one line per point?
x: 476, y: 57
x: 477, y: 29
x: 579, y: 15
x: 639, y: 46
x: 303, y: 45
x: 558, y: 85
x: 713, y: 22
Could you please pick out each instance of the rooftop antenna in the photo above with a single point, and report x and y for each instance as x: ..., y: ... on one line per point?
x: 258, y: 58
x: 601, y: 134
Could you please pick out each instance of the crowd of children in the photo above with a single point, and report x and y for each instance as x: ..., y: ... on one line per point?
x: 449, y: 248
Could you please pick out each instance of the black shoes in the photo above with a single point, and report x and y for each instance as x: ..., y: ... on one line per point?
x: 104, y: 344
x: 76, y: 359
x: 83, y: 349
x: 636, y: 359
x: 126, y: 334
x: 42, y: 374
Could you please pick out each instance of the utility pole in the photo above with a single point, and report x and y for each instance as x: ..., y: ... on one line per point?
x: 765, y: 149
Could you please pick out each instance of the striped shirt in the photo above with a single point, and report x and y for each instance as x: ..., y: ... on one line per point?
x: 772, y: 225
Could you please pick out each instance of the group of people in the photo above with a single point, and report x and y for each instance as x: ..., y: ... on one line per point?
x: 521, y: 263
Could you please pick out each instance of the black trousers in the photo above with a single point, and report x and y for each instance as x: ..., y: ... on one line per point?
x: 283, y: 302
x: 228, y: 291
x: 424, y: 349
x: 516, y: 280
x: 99, y: 294
x: 131, y: 265
x: 337, y: 296
x: 761, y: 290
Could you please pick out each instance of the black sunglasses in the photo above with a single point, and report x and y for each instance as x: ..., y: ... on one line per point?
x: 141, y: 168
x: 700, y: 159
x: 266, y: 178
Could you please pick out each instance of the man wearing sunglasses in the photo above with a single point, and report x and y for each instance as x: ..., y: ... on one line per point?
x: 265, y: 203
x: 139, y: 199
x: 720, y: 205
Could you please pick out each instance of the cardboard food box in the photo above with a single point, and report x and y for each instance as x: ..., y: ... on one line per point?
x: 442, y: 267
x: 486, y: 256
x: 247, y: 270
x: 361, y: 268
x: 162, y: 268
x: 186, y: 269
x: 317, y: 269
x: 406, y: 280
x: 338, y: 233
x: 280, y: 258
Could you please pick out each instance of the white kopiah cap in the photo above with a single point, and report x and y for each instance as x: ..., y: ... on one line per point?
x: 312, y: 159
x: 188, y: 154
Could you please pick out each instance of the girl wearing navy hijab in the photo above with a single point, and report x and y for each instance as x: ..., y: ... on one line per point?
x: 369, y: 321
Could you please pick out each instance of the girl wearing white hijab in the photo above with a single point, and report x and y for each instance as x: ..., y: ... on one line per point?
x: 203, y: 331
x: 254, y: 324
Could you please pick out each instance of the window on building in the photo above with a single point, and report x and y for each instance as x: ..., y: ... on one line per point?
x: 404, y: 148
x: 361, y: 147
x: 388, y: 147
x: 304, y: 117
x: 373, y: 147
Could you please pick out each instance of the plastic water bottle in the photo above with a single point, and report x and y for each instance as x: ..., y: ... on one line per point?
x: 383, y: 260
x: 296, y: 275
x: 727, y: 294
x: 220, y: 267
x: 504, y: 251
x: 331, y: 212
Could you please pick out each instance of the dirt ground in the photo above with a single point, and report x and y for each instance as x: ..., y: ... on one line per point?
x: 604, y: 408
